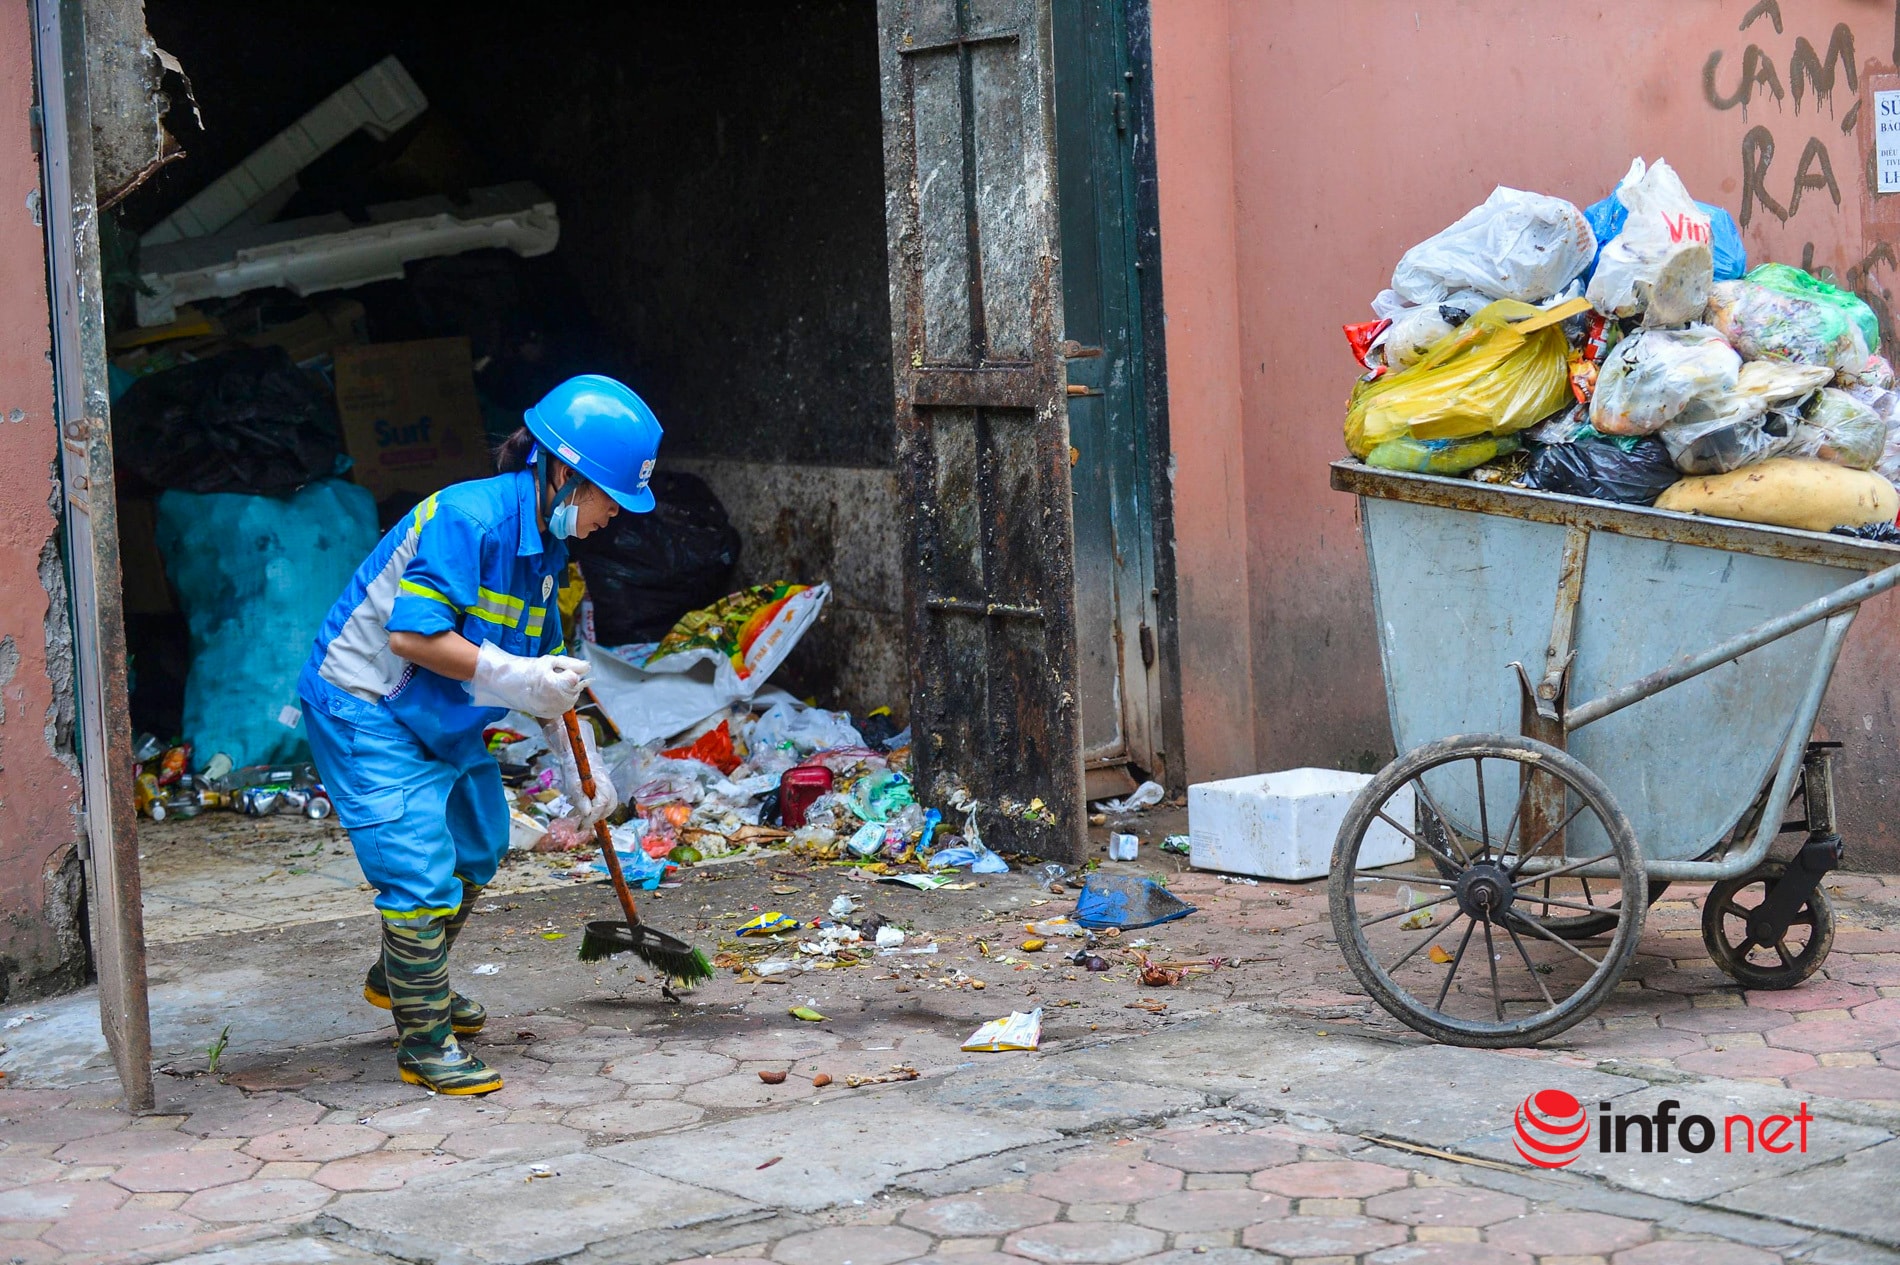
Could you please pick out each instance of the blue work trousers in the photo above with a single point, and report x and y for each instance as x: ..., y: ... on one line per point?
x: 419, y: 824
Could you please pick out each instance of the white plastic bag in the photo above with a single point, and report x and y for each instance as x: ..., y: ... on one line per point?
x: 1517, y: 245
x: 1777, y: 382
x: 802, y: 729
x: 1835, y: 426
x: 657, y: 699
x: 1414, y: 330
x: 1652, y: 376
x: 1662, y: 264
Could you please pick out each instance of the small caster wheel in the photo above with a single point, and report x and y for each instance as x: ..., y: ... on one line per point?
x: 1786, y: 962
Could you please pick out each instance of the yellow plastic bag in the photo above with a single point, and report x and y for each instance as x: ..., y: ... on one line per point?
x: 1505, y: 369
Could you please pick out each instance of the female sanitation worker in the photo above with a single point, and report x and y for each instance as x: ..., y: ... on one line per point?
x: 449, y: 623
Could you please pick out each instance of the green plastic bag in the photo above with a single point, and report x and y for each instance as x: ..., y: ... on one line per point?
x: 1503, y: 370
x: 1787, y: 279
x: 1440, y: 456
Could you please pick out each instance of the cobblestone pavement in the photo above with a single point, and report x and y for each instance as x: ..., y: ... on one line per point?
x: 304, y: 1122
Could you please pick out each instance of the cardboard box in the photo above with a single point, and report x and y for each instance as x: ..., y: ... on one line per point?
x: 411, y: 422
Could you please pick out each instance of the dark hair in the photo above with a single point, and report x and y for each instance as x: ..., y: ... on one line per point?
x: 512, y: 455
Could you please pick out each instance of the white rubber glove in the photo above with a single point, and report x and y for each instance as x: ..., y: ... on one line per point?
x: 543, y: 686
x: 606, y: 799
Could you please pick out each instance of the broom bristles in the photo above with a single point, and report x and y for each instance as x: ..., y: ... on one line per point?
x: 681, y: 962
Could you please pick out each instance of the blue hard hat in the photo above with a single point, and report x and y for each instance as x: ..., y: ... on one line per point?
x: 605, y: 432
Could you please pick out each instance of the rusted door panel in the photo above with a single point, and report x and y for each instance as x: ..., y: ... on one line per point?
x: 92, y: 543
x: 982, y: 431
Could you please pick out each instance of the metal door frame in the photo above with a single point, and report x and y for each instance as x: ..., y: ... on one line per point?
x: 89, y: 518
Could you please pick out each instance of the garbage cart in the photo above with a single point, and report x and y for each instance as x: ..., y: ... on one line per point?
x: 1591, y: 701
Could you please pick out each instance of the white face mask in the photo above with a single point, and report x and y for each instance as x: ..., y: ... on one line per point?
x: 564, y: 518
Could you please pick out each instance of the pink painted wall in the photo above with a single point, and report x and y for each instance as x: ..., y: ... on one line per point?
x: 41, y: 944
x: 1354, y: 129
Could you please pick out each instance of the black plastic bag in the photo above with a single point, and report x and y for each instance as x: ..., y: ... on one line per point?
x: 247, y: 420
x: 644, y: 571
x: 1600, y: 468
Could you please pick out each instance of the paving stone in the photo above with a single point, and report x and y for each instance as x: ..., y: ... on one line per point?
x: 24, y: 1170
x: 782, y: 1045
x: 666, y: 1071
x: 1106, y: 1179
x: 317, y: 1142
x: 260, y: 1199
x: 594, y: 1048
x: 558, y: 1091
x: 123, y: 1230
x: 1759, y: 1061
x: 1209, y: 1209
x: 22, y: 1102
x: 592, y: 1201
x: 512, y: 1141
x: 1323, y: 1236
x: 1205, y: 1151
x: 247, y: 1118
x: 834, y: 1151
x: 1098, y: 1212
x: 856, y: 1244
x: 380, y: 1170
x: 1446, y: 1206
x: 1199, y: 1256
x: 980, y: 1212
x: 1641, y: 1043
x: 1885, y: 1010
x: 435, y: 1114
x: 28, y: 1252
x: 1826, y: 1036
x: 56, y: 1200
x: 1728, y: 1019
x: 1854, y: 1198
x: 744, y: 1091
x: 123, y: 1146
x: 1330, y: 1179
x: 1567, y: 1233
x: 651, y: 1115
x: 1816, y: 994
x: 67, y: 1124
x: 1096, y: 1243
x: 1446, y: 1254
x: 1694, y: 1252
x: 1879, y: 1083
x: 186, y: 1170
x: 1055, y: 1100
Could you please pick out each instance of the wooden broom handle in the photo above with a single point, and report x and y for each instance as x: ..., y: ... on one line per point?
x: 602, y: 832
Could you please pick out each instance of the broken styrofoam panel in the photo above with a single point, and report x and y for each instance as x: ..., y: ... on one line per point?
x: 381, y: 100
x: 331, y: 252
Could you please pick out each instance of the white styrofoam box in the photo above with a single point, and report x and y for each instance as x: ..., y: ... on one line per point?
x: 1282, y: 825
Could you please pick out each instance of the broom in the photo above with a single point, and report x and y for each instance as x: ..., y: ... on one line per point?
x: 680, y: 960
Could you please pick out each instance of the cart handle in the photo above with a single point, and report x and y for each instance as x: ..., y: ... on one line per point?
x: 1695, y: 665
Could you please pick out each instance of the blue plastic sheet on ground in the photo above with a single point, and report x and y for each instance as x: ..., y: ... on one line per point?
x: 255, y: 576
x: 641, y: 870
x: 1731, y: 257
x: 1126, y: 901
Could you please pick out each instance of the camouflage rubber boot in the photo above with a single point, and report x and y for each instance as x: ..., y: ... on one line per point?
x: 466, y: 1015
x: 415, y: 965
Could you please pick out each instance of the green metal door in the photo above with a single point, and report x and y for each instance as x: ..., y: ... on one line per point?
x: 1097, y: 129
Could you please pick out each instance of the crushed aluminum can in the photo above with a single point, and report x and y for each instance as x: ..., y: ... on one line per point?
x: 318, y: 808
x: 259, y: 801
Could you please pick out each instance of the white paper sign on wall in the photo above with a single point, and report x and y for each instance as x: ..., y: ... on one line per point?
x: 1887, y: 140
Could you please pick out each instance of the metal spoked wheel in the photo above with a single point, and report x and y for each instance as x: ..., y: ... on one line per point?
x: 1457, y: 943
x: 1756, y: 963
x: 1605, y: 896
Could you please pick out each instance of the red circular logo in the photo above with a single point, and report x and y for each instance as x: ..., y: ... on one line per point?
x: 1551, y: 1128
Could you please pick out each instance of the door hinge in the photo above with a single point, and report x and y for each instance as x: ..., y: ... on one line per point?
x: 1121, y: 110
x: 36, y: 129
x: 1147, y: 637
x: 85, y: 837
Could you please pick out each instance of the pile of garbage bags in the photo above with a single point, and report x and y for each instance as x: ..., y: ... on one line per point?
x: 1627, y: 353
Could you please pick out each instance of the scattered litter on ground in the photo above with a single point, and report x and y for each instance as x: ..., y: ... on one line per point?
x: 821, y: 1080
x: 1018, y: 1032
x: 1126, y: 902
x: 1123, y: 847
x: 771, y: 1077
x: 805, y: 1013
x: 1177, y: 844
x: 1147, y: 795
x: 485, y: 968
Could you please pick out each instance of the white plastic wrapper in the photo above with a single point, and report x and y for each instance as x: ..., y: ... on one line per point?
x: 657, y: 700
x: 1018, y: 1032
x: 1517, y: 245
x: 1662, y: 264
